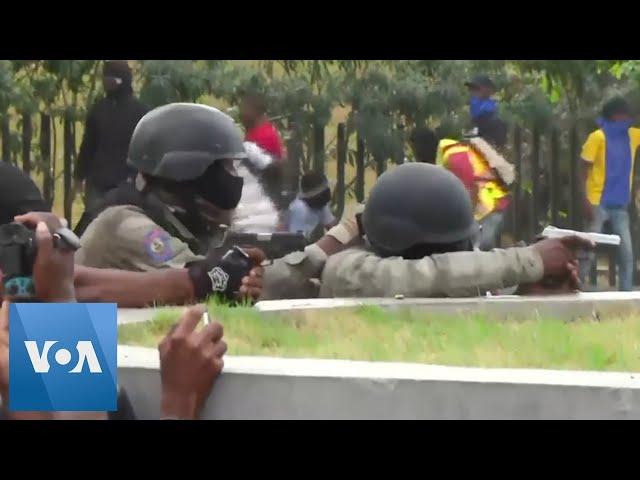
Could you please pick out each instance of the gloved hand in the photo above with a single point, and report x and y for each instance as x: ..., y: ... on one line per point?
x: 237, y: 274
x: 349, y: 227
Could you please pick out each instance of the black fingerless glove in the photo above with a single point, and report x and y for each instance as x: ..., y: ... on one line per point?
x: 222, y: 276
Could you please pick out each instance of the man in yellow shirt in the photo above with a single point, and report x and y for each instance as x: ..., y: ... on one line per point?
x: 608, y: 156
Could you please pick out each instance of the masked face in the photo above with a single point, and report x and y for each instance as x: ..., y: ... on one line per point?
x: 481, y: 107
x: 220, y: 185
x: 207, y: 202
x: 110, y: 83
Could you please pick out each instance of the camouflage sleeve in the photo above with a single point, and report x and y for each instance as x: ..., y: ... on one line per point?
x: 360, y: 273
x: 294, y: 276
x: 125, y: 238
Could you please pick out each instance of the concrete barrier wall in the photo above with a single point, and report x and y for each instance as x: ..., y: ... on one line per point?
x: 277, y: 388
x: 564, y: 307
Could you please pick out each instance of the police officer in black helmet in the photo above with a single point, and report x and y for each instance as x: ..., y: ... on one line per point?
x: 186, y: 187
x: 420, y: 230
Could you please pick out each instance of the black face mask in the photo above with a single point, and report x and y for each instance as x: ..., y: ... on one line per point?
x: 320, y: 200
x: 220, y: 187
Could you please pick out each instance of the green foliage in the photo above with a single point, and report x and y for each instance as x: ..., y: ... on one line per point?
x: 167, y: 81
x: 379, y: 96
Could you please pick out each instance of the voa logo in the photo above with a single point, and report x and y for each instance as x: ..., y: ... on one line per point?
x: 62, y: 356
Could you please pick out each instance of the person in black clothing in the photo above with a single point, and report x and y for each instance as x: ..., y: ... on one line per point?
x: 102, y: 161
x: 18, y: 194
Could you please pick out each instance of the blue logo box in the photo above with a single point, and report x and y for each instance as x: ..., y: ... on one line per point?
x: 63, y: 356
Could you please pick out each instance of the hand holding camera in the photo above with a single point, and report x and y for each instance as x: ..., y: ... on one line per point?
x: 37, y: 264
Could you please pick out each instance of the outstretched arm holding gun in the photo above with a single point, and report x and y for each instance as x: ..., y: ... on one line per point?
x: 274, y: 245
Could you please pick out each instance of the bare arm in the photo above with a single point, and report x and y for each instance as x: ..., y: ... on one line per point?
x: 133, y: 289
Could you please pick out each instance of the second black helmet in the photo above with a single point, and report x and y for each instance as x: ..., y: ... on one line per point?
x: 417, y: 204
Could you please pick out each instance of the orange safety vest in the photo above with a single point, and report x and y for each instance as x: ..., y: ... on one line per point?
x: 489, y: 187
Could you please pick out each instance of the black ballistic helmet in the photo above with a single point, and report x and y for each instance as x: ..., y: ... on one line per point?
x: 417, y: 204
x: 180, y: 141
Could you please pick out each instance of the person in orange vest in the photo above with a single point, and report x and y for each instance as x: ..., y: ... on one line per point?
x: 485, y: 173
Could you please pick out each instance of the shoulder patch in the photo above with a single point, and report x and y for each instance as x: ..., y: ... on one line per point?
x: 157, y: 244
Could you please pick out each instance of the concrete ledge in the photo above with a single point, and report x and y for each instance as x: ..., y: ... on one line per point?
x: 563, y: 307
x: 138, y: 315
x: 278, y: 388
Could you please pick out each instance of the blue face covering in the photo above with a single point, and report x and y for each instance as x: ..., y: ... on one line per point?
x: 481, y: 107
x: 616, y: 191
x: 619, y: 127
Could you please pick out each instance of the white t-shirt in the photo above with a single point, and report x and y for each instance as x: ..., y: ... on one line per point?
x: 303, y: 218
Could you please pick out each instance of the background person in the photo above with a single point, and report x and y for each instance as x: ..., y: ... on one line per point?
x: 424, y: 144
x: 482, y: 106
x: 310, y: 212
x: 608, y: 159
x: 102, y: 160
x: 261, y: 132
x: 485, y: 174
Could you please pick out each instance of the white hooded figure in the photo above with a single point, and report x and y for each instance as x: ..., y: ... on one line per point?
x: 256, y: 212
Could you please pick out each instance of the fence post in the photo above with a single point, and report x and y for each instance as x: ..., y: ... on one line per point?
x: 69, y: 147
x: 574, y: 178
x: 45, y: 155
x: 381, y: 164
x: 6, y: 138
x: 535, y: 179
x: 318, y: 148
x: 400, y: 153
x: 295, y: 152
x: 555, y: 176
x: 27, y: 135
x: 360, y: 170
x: 342, y: 160
x: 517, y: 187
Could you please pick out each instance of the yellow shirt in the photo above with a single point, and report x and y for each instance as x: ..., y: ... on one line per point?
x: 594, y: 152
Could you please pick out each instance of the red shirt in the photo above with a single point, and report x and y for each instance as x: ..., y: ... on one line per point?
x: 267, y: 138
x: 460, y: 165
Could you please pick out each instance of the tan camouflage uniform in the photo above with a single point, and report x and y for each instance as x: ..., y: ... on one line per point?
x: 123, y: 237
x: 360, y: 273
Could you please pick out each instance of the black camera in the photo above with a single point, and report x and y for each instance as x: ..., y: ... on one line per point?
x: 18, y: 250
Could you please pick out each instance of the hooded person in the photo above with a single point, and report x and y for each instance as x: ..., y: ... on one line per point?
x: 102, y: 160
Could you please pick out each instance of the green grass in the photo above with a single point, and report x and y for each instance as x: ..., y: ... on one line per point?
x: 373, y: 334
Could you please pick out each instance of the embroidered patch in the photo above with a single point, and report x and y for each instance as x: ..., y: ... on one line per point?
x: 219, y: 279
x: 157, y: 243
